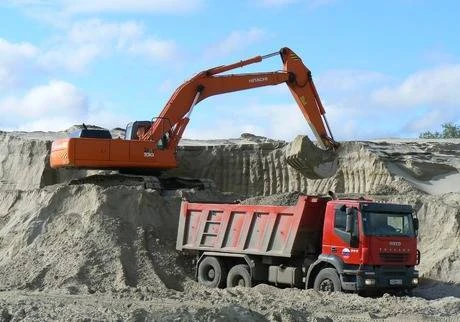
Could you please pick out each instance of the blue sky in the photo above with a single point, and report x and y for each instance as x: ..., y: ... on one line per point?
x: 382, y: 68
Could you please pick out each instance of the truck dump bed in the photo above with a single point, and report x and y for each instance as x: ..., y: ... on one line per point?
x: 253, y: 229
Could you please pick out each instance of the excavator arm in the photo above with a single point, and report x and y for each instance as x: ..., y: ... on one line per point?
x: 176, y: 114
x: 154, y: 150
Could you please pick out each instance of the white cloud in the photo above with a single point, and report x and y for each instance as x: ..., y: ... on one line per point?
x: 96, y: 31
x: 72, y: 7
x: 10, y: 51
x: 438, y: 56
x: 430, y: 120
x: 310, y: 3
x: 71, y: 58
x: 236, y: 41
x: 349, y: 79
x: 222, y: 129
x: 89, y: 40
x: 167, y: 86
x: 85, y: 41
x: 438, y: 86
x: 138, y: 6
x: 49, y: 123
x: 422, y: 101
x: 54, y: 101
x: 319, y: 3
x: 155, y: 49
x: 56, y: 106
x: 103, y: 115
x: 278, y: 121
x: 80, y: 45
x: 15, y: 58
x: 276, y: 3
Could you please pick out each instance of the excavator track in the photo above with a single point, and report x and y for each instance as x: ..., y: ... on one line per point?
x: 160, y: 183
x: 311, y: 161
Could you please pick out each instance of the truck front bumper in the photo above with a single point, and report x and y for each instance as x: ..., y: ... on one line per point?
x: 380, y: 278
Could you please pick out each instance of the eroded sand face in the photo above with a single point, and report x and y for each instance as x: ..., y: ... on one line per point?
x: 104, y: 248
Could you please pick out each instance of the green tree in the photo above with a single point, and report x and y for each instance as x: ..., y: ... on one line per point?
x: 449, y: 131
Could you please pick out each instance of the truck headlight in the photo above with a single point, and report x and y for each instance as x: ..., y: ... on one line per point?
x: 369, y: 281
x: 415, y: 280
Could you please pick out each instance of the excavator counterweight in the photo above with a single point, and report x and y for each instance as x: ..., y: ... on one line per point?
x: 151, y: 146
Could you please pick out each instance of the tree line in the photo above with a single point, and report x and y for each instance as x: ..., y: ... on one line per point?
x: 449, y: 131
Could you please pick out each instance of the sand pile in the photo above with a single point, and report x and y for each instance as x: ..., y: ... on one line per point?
x: 439, y: 235
x: 261, y: 303
x: 23, y: 162
x: 103, y: 246
x: 87, y: 238
x: 398, y: 172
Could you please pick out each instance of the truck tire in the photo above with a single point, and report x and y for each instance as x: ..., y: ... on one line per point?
x: 211, y: 272
x: 239, y: 275
x: 327, y: 280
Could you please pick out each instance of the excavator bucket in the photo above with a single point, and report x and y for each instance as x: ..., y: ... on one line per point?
x: 311, y: 161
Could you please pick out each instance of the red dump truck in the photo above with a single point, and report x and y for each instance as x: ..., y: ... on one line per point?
x: 321, y: 243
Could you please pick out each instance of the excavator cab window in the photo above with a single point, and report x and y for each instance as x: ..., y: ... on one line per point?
x: 133, y: 129
x: 129, y: 131
x: 140, y: 132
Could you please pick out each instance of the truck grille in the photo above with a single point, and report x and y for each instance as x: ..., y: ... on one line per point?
x: 394, y: 257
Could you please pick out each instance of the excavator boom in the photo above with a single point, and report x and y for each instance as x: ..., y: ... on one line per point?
x: 152, y: 146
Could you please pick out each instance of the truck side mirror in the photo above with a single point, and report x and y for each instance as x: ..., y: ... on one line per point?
x: 349, y: 223
x: 415, y: 221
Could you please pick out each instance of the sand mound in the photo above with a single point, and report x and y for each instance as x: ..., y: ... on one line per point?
x: 23, y: 162
x: 71, y: 234
x: 257, y: 167
x: 90, y: 238
x: 261, y: 303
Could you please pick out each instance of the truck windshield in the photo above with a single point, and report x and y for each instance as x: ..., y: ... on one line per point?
x: 388, y: 224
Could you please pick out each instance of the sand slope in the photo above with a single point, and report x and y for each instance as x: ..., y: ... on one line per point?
x: 104, y: 247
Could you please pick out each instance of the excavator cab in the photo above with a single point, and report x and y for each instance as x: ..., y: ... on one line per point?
x: 133, y: 127
x: 138, y: 128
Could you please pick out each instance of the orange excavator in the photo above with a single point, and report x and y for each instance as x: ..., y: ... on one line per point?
x: 150, y: 146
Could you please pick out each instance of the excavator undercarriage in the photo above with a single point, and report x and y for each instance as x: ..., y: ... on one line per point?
x: 160, y: 183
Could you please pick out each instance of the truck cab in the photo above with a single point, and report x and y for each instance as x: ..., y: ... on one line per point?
x: 371, y: 246
x: 326, y: 244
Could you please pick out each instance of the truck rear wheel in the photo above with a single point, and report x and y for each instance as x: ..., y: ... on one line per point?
x: 327, y: 280
x: 239, y: 275
x: 211, y: 272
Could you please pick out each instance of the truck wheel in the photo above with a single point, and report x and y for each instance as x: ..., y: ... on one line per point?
x: 239, y: 275
x: 327, y: 280
x: 211, y: 272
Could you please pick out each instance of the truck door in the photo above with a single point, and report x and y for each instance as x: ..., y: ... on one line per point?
x: 346, y: 244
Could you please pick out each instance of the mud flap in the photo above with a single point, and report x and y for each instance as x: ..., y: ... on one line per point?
x: 311, y: 161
